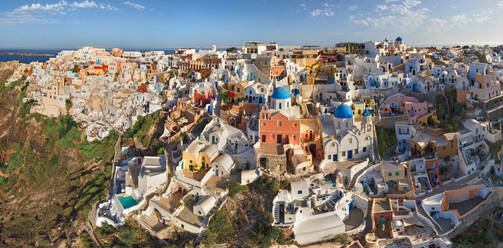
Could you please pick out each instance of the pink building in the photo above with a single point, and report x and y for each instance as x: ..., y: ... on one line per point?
x: 399, y: 104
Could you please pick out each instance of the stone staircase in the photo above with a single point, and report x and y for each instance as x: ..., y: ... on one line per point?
x: 200, y: 237
x: 359, y: 173
x: 205, y: 220
x: 276, y: 212
x: 422, y: 212
x: 368, y: 224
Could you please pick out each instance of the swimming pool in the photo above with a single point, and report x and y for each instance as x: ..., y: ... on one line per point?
x: 127, y: 201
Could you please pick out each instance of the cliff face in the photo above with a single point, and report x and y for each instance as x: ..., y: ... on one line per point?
x: 7, y: 68
x: 49, y: 175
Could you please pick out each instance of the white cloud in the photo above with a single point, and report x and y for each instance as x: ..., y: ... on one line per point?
x: 84, y: 4
x: 359, y: 20
x: 44, y: 13
x: 460, y: 19
x: 410, y: 16
x: 37, y: 7
x: 436, y: 25
x: 353, y: 7
x: 326, y: 10
x: 134, y: 5
x: 91, y: 4
x: 399, y: 16
x: 442, y: 25
x: 500, y: 3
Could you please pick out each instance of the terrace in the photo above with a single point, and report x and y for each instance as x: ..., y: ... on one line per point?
x: 466, y: 206
x: 355, y: 219
x: 381, y: 205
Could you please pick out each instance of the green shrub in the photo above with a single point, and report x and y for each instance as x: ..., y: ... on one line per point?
x: 386, y: 140
x: 265, y: 232
x: 235, y: 188
x: 86, y: 240
x: 105, y: 229
x: 219, y: 226
x: 342, y: 238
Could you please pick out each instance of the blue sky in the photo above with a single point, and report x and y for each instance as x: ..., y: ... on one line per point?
x: 51, y: 24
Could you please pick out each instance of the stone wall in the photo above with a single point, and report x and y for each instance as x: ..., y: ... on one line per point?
x: 389, y: 122
x: 275, y: 164
x: 486, y: 208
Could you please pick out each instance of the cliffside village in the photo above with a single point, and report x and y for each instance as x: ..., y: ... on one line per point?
x: 305, y: 114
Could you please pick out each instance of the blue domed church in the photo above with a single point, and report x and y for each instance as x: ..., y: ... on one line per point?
x: 347, y: 139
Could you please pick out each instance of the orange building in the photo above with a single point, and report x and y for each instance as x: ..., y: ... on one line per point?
x: 464, y: 201
x: 277, y: 128
x: 428, y: 144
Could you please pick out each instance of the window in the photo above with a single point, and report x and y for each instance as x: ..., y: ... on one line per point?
x: 364, y: 149
x: 390, y: 174
x: 329, y: 157
x: 299, y: 192
x: 397, y: 173
x: 344, y: 153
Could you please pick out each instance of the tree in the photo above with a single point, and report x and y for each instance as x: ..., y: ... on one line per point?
x: 68, y: 105
x: 231, y: 50
x: 76, y: 69
x: 225, y: 97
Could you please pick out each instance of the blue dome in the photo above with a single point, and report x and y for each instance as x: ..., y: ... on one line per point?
x: 399, y: 39
x: 343, y: 111
x: 281, y: 93
x: 366, y: 112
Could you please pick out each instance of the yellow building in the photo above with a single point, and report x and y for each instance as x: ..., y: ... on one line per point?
x: 311, y: 137
x: 358, y: 109
x: 320, y: 72
x: 306, y: 56
x: 198, y: 156
x: 429, y: 119
x: 397, y: 178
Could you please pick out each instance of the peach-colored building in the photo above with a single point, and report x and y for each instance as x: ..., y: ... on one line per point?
x: 277, y: 128
x: 400, y: 104
x: 465, y: 200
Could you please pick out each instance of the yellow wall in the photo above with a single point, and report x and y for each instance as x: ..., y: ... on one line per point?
x: 197, y: 163
x: 358, y: 110
x: 400, y: 169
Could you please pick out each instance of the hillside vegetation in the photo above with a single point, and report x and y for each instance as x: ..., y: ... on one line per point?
x: 49, y: 175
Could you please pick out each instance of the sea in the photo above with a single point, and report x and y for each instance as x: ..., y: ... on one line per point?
x: 29, y: 59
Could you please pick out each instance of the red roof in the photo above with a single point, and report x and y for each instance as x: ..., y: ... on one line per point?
x: 142, y: 88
